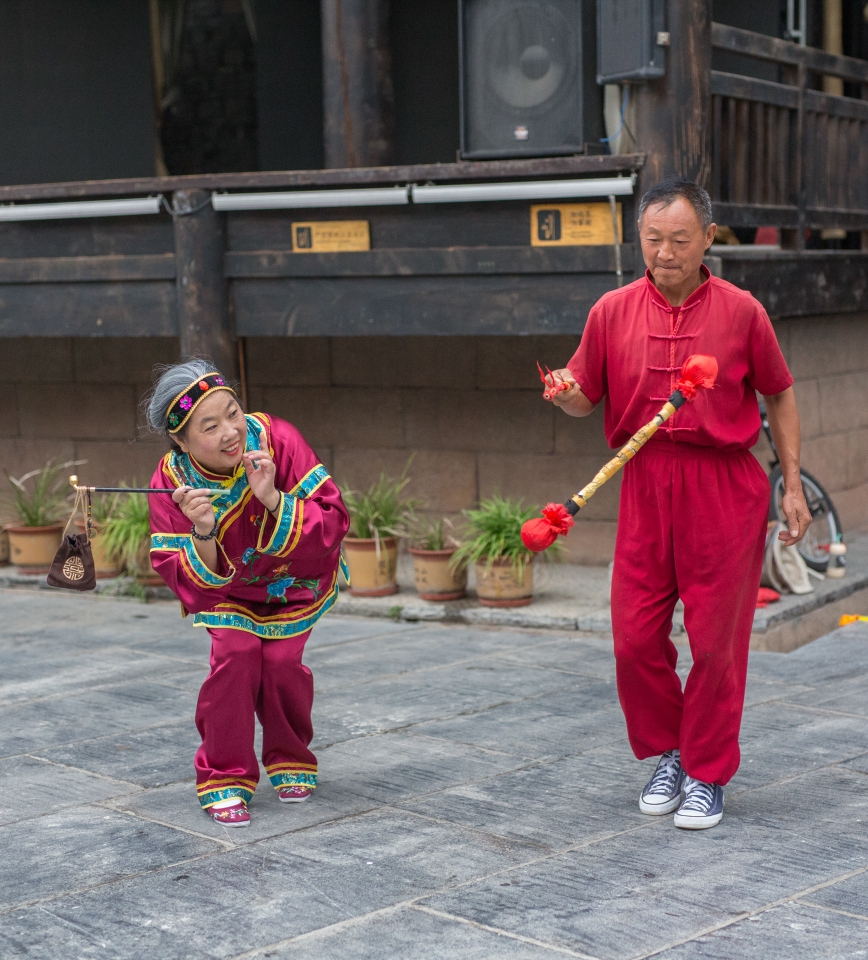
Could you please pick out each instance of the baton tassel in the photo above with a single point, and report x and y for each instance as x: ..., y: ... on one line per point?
x: 698, y: 373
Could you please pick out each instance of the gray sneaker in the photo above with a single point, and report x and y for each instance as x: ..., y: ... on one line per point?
x: 662, y: 793
x: 702, y: 807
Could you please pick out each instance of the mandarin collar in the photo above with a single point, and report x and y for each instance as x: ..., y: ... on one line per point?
x: 219, y: 478
x: 697, y: 296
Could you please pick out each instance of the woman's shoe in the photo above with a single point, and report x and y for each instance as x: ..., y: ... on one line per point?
x: 294, y: 794
x: 232, y: 815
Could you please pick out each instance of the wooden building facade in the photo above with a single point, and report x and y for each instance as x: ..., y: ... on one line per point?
x: 423, y: 336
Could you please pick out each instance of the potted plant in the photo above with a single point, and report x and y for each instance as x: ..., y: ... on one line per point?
x: 38, y: 503
x: 104, y: 508
x: 127, y: 537
x: 377, y: 517
x: 432, y: 548
x: 504, y: 566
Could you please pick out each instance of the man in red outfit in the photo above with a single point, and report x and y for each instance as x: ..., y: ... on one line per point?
x: 694, y: 503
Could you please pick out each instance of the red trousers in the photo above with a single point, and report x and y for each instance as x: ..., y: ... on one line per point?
x: 252, y: 678
x: 692, y: 524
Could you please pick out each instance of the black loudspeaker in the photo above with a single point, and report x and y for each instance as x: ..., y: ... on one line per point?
x: 527, y: 77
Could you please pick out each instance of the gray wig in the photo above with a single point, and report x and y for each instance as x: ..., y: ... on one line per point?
x: 171, y: 381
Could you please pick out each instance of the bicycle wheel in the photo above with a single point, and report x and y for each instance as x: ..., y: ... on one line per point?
x: 825, y: 527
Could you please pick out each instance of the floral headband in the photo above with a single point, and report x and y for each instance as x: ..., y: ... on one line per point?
x: 188, y: 399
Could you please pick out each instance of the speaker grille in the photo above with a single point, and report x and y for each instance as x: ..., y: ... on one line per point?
x: 522, y: 64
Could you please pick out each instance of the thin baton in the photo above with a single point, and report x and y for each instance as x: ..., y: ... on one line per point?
x: 73, y: 482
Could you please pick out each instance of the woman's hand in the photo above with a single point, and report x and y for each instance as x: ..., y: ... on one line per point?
x: 261, y: 472
x: 197, y: 507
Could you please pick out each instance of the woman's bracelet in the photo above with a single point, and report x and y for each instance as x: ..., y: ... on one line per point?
x: 211, y: 535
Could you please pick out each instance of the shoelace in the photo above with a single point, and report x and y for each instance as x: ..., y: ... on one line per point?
x: 666, y: 774
x: 699, y: 796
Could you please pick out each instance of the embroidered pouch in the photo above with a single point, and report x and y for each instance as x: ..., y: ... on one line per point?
x: 72, y: 567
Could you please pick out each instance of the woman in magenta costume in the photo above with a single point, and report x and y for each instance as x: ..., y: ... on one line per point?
x: 257, y: 566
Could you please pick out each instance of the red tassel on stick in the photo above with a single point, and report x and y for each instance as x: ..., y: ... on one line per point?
x: 539, y: 534
x: 698, y: 373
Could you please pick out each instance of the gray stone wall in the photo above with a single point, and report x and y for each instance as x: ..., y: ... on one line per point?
x: 468, y: 407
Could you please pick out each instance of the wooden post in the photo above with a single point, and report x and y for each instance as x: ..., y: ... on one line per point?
x: 833, y: 42
x: 357, y: 84
x: 203, y: 294
x: 673, y: 114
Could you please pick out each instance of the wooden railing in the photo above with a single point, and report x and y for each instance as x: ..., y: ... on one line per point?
x: 784, y: 154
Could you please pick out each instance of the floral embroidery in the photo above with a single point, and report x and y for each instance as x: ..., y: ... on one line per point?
x: 248, y: 555
x: 185, y: 403
x: 174, y: 419
x: 220, y: 381
x: 277, y: 588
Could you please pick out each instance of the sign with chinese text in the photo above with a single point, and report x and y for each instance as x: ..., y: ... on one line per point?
x: 573, y: 224
x: 331, y: 236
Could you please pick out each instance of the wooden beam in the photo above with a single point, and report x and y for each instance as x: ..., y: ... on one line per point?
x: 791, y: 284
x: 673, y: 114
x: 366, y: 176
x: 128, y: 309
x: 159, y: 266
x: 748, y: 88
x: 762, y: 47
x: 417, y: 306
x: 203, y: 298
x: 358, y: 100
x: 456, y: 261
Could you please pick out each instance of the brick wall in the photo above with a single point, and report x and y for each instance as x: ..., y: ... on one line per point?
x: 469, y: 407
x: 828, y: 357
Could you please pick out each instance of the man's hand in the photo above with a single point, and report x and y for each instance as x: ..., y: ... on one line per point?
x: 784, y: 422
x: 571, y: 401
x: 197, y: 507
x: 798, y: 515
x: 261, y: 473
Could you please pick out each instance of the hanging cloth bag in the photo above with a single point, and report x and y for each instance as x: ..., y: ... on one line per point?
x: 72, y: 567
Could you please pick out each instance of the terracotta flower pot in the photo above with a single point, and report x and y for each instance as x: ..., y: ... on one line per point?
x: 434, y: 578
x: 104, y: 566
x: 33, y: 548
x: 373, y: 573
x: 500, y: 586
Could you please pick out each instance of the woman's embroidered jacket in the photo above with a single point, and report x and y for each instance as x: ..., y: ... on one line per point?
x: 277, y: 573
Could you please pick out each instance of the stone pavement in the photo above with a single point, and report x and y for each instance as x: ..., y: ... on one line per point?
x: 478, y: 800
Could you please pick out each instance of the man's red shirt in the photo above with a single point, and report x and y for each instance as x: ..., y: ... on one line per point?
x: 634, y: 345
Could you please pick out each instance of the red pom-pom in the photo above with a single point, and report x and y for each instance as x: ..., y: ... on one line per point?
x: 539, y: 534
x: 698, y: 373
x: 559, y: 517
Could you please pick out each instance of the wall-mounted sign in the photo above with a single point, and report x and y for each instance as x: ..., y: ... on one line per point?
x: 573, y: 224
x: 331, y: 236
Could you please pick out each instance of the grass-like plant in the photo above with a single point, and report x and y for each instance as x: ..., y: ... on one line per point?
x: 380, y: 510
x: 126, y: 530
x: 426, y: 533
x: 40, y: 497
x: 494, y: 533
x: 104, y: 507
